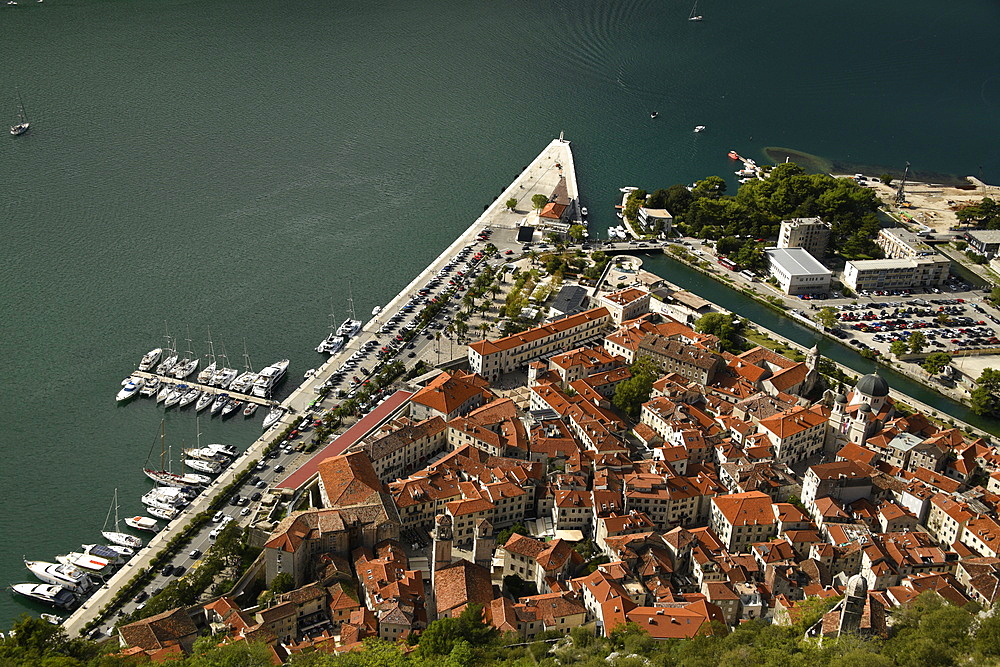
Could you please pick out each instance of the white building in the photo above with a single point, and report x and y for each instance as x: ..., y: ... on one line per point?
x: 651, y: 218
x: 798, y: 272
x: 892, y: 274
x: 810, y: 234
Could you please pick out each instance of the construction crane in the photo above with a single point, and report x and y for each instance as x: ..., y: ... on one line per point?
x: 901, y: 191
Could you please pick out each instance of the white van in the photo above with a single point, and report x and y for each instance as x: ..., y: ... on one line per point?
x: 215, y: 532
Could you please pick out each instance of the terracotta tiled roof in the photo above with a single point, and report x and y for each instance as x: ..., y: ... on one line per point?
x: 746, y: 509
x: 349, y: 480
x: 448, y: 391
x: 459, y: 584
x: 159, y: 631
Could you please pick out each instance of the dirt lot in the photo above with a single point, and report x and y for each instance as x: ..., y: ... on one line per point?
x: 933, y: 205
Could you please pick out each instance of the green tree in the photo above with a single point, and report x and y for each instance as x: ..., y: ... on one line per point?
x: 630, y: 394
x: 538, y: 201
x: 577, y: 233
x: 282, y: 582
x: 936, y: 362
x: 886, y: 178
x: 917, y: 342
x: 898, y: 348
x: 461, y: 654
x: 827, y: 316
x: 511, y: 203
x: 504, y: 535
x: 987, y: 640
x: 723, y: 327
x: 985, y: 397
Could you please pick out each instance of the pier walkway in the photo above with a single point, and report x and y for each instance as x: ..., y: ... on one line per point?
x: 206, y: 388
x: 541, y: 176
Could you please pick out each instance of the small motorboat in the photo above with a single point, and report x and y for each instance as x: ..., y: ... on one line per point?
x: 142, y: 523
x: 250, y: 409
x: 733, y: 155
x: 654, y: 114
x: 51, y: 618
x: 56, y: 596
x: 165, y: 513
x: 210, y: 467
x: 699, y: 128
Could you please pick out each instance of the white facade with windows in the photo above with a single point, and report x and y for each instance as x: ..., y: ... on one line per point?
x: 798, y: 272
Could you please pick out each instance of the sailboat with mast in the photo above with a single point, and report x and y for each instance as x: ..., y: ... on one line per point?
x: 22, y: 124
x: 170, y: 361
x: 205, y: 376
x: 187, y: 365
x: 695, y: 16
x: 351, y: 325
x: 241, y: 384
x: 164, y: 475
x: 334, y: 341
x: 116, y: 536
x: 224, y: 376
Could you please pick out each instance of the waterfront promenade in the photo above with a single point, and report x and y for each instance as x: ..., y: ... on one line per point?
x: 541, y: 176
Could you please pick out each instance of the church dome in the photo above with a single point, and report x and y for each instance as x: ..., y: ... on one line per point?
x: 864, y: 407
x: 873, y: 385
x: 840, y: 398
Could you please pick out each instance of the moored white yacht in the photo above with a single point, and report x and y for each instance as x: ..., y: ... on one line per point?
x: 47, y: 593
x: 175, y: 395
x: 205, y: 375
x: 219, y: 403
x: 130, y: 388
x: 86, y: 562
x: 113, y: 553
x: 116, y: 536
x: 332, y: 344
x: 243, y: 383
x: 165, y: 389
x: 67, y: 576
x: 269, y: 377
x: 166, y: 496
x: 165, y: 513
x: 150, y: 387
x: 150, y: 358
x: 232, y: 406
x: 225, y: 377
x: 206, y: 454
x: 224, y: 450
x: 189, y: 397
x: 274, y: 415
x: 349, y: 328
x: 211, y: 467
x: 250, y: 409
x: 204, y: 401
x: 142, y: 523
x: 170, y: 360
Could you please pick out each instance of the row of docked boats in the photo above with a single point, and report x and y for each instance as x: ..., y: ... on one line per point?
x: 74, y: 575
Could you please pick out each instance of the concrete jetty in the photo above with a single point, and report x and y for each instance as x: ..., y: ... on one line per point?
x: 553, y: 165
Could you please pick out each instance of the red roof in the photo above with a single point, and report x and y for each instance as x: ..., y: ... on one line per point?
x: 352, y: 435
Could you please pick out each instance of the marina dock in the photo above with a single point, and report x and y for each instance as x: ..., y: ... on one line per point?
x: 553, y: 166
x: 206, y: 388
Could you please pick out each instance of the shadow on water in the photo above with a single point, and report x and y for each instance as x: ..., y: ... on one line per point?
x: 716, y: 292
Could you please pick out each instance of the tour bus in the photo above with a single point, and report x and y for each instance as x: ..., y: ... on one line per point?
x: 727, y: 263
x: 748, y: 275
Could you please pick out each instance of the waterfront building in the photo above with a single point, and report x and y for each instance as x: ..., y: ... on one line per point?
x: 491, y: 359
x: 895, y: 274
x: 655, y: 221
x: 797, y: 271
x: 900, y: 243
x: 810, y: 234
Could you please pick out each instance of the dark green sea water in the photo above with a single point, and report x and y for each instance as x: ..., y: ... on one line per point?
x: 234, y: 164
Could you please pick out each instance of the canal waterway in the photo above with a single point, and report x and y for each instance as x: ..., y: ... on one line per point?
x: 237, y: 164
x: 684, y: 276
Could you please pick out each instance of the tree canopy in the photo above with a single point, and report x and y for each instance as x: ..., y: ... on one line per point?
x: 724, y: 327
x: 985, y: 398
x: 630, y: 394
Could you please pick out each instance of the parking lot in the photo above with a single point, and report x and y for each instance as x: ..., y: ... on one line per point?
x: 947, y: 324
